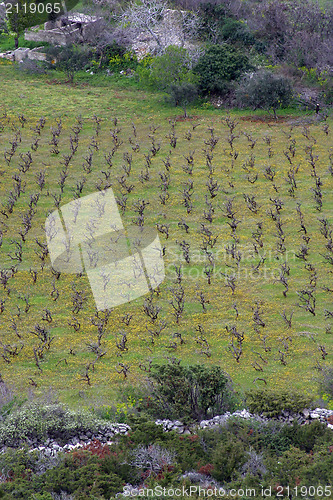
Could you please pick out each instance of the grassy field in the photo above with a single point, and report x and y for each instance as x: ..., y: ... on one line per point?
x: 269, y: 350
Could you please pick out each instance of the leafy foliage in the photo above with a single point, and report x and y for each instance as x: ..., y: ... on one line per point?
x: 171, y: 68
x: 219, y: 65
x: 42, y: 421
x: 265, y: 90
x: 270, y: 403
x: 182, y: 95
x: 241, y: 452
x: 191, y: 393
x: 69, y: 59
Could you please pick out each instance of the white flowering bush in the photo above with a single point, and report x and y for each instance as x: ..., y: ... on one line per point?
x: 54, y: 421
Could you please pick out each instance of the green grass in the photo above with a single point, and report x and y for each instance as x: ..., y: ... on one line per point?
x: 7, y: 42
x: 64, y: 364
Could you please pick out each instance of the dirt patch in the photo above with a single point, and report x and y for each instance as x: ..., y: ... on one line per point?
x: 66, y: 82
x: 268, y: 119
x: 181, y: 118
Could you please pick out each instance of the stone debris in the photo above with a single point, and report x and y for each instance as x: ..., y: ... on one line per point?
x: 18, y: 55
x: 322, y: 414
x: 63, y: 31
x: 51, y: 448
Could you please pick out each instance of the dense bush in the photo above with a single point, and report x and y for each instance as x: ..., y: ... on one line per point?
x: 264, y: 90
x: 171, y: 68
x: 213, y: 18
x: 271, y: 403
x: 326, y: 384
x: 107, y: 53
x: 189, y: 393
x: 219, y: 65
x: 42, y: 421
x: 228, y: 456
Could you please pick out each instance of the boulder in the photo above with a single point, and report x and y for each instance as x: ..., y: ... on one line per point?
x: 21, y: 54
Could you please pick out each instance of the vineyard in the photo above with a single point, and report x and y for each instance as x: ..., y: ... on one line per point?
x: 243, y: 209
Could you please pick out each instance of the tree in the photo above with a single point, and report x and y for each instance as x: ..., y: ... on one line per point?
x: 145, y: 16
x: 173, y: 67
x: 163, y: 24
x: 69, y: 59
x: 264, y: 90
x: 219, y: 65
x: 182, y: 95
x: 19, y: 17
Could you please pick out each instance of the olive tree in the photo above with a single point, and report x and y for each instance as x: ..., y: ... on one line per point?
x: 264, y: 90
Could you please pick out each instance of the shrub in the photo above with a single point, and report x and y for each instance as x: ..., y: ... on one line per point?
x: 189, y: 393
x: 42, y: 421
x: 289, y: 469
x: 227, y: 457
x: 270, y: 403
x: 254, y: 464
x: 237, y: 31
x: 219, y: 65
x: 326, y: 382
x: 264, y: 90
x: 31, y: 67
x: 213, y: 18
x: 305, y: 436
x: 152, y: 458
x: 320, y: 470
x: 173, y: 67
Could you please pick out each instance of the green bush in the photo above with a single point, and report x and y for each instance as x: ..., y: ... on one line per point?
x: 264, y: 90
x: 237, y: 32
x: 270, y: 403
x: 182, y: 95
x: 305, y: 436
x: 188, y: 393
x: 219, y: 65
x: 69, y: 59
x: 213, y: 17
x: 228, y: 456
x: 288, y: 470
x: 326, y: 383
x: 173, y: 67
